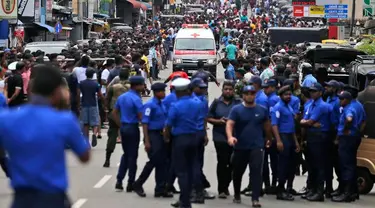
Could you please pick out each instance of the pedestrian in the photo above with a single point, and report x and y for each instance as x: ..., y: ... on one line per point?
x: 283, y: 128
x: 182, y: 120
x: 15, y: 91
x: 90, y: 90
x: 127, y: 114
x: 317, y: 122
x: 309, y: 80
x: 44, y: 150
x: 218, y: 116
x: 248, y: 118
x: 153, y: 121
x: 114, y: 92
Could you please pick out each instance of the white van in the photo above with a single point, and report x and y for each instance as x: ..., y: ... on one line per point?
x: 48, y: 47
x: 194, y: 42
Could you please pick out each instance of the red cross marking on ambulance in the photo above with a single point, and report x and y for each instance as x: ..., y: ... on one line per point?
x: 195, y: 35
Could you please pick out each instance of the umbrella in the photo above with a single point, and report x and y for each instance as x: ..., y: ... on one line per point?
x: 12, y: 66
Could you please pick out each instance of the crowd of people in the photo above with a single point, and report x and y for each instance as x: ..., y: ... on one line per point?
x: 263, y: 114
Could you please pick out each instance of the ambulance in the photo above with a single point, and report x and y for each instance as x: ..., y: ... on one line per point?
x: 195, y: 42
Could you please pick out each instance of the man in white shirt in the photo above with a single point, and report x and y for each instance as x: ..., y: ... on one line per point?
x: 80, y: 71
x: 109, y: 64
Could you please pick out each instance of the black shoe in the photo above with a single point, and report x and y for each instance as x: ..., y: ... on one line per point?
x: 222, y: 195
x: 337, y: 192
x: 344, y: 197
x: 106, y: 164
x: 284, y: 196
x: 173, y: 190
x: 208, y: 195
x: 94, y: 141
x: 119, y: 187
x: 129, y: 187
x: 292, y: 192
x: 138, y: 189
x: 237, y: 199
x: 163, y: 195
x: 317, y: 197
x: 309, y: 193
x: 176, y: 204
x: 247, y: 189
x: 303, y: 191
x: 227, y: 192
x: 249, y: 193
x: 198, y: 198
x: 328, y: 193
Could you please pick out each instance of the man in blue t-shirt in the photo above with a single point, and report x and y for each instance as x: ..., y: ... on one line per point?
x: 249, y: 121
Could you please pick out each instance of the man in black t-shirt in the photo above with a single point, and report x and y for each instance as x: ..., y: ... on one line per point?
x: 15, y: 86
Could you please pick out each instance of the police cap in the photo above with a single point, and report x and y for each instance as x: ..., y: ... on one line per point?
x: 333, y: 83
x: 255, y: 80
x: 248, y: 88
x: 284, y: 89
x: 137, y: 80
x: 288, y: 82
x: 316, y: 87
x: 198, y: 82
x: 180, y: 84
x: 345, y: 95
x: 352, y: 90
x: 159, y: 86
x: 269, y: 83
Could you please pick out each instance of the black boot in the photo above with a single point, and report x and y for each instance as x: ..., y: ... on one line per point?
x: 107, y: 162
x: 198, y: 198
x: 329, y: 190
x: 338, y: 191
x: 345, y: 196
x: 318, y: 196
x: 308, y: 193
x: 283, y: 195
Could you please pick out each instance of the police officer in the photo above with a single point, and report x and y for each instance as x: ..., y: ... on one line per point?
x: 199, y: 89
x: 283, y: 128
x: 127, y: 114
x: 317, y: 123
x: 38, y: 172
x: 330, y: 92
x: 182, y: 120
x: 349, y: 139
x: 309, y: 79
x: 153, y: 120
x: 269, y: 88
x: 248, y: 118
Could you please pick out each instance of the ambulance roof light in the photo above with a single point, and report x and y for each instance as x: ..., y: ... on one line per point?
x: 194, y: 26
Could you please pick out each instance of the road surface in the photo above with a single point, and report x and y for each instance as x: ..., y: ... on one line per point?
x: 92, y: 186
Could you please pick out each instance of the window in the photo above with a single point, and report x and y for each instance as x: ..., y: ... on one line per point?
x: 195, y: 44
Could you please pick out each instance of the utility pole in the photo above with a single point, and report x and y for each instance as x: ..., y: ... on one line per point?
x: 352, y: 24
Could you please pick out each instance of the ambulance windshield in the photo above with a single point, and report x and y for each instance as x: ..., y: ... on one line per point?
x: 195, y: 44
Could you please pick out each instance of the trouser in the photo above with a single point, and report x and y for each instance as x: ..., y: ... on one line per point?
x: 164, y: 60
x: 157, y: 157
x: 201, y: 149
x: 130, y: 137
x: 30, y: 198
x: 317, y: 145
x: 154, y: 71
x: 270, y: 152
x: 101, y: 112
x: 186, y: 164
x: 241, y: 159
x: 332, y: 162
x: 74, y: 109
x: 224, y: 166
x: 112, y: 134
x: 287, y: 161
x: 171, y: 178
x: 4, y: 162
x: 348, y: 146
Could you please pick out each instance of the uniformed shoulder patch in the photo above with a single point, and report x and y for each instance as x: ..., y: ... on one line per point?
x: 147, y: 111
x: 277, y: 114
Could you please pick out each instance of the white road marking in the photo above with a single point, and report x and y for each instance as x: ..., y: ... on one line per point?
x: 79, y: 203
x: 102, y: 181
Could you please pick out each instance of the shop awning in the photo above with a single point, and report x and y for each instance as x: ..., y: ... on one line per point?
x: 99, y: 15
x: 49, y: 28
x: 137, y: 5
x: 67, y: 28
x: 149, y: 7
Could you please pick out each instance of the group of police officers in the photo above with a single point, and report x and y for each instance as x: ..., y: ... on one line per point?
x: 269, y: 121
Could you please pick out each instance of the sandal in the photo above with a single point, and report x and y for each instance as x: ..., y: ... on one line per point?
x: 256, y: 204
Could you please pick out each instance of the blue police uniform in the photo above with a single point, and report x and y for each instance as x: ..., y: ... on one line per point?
x: 317, y: 139
x: 309, y: 81
x: 37, y: 163
x: 282, y: 116
x: 3, y: 158
x: 130, y: 106
x: 154, y: 116
x: 183, y: 117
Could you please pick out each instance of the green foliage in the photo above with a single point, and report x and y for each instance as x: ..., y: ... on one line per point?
x: 368, y: 47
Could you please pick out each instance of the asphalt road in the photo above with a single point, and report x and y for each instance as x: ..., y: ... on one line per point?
x: 92, y: 186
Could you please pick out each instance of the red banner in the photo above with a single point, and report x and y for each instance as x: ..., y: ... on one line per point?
x: 298, y: 11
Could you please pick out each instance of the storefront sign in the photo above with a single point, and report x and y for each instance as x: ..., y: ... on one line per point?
x: 316, y: 11
x: 8, y: 9
x: 37, y: 11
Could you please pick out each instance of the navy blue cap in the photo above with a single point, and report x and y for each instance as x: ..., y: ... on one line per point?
x: 137, y: 80
x: 269, y: 82
x: 255, y: 80
x: 284, y: 89
x: 316, y: 87
x: 352, y: 90
x: 333, y: 83
x: 159, y: 86
x: 342, y: 85
x: 249, y: 88
x: 288, y: 82
x: 198, y: 82
x: 345, y: 95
